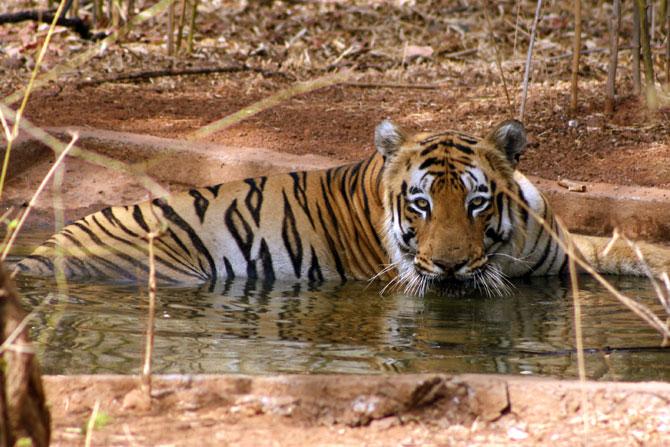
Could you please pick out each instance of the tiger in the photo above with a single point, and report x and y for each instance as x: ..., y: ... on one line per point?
x: 443, y: 211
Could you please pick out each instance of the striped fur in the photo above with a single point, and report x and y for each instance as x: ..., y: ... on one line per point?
x: 446, y: 211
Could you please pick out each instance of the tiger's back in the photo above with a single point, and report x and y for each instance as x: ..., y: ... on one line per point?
x: 291, y: 226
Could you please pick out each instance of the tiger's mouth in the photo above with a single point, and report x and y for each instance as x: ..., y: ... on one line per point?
x: 449, y: 285
x: 487, y: 280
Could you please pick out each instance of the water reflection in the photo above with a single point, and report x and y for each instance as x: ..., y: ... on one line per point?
x: 259, y: 328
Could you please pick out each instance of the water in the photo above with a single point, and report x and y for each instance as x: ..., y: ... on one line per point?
x: 252, y: 328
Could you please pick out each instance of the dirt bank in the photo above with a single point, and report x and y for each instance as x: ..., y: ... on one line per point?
x: 353, y: 410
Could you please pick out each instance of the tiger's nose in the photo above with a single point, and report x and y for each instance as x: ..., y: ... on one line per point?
x: 438, y: 266
x: 449, y: 266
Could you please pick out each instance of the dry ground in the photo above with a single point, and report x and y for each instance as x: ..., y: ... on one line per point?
x: 407, y: 410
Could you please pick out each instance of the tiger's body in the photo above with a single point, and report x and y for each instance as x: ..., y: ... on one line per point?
x: 445, y: 210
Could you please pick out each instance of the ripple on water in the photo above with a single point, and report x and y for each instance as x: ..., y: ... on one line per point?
x: 255, y: 328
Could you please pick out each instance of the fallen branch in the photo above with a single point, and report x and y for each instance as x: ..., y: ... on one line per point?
x: 390, y: 85
x: 459, y: 54
x: 145, y: 75
x: 77, y: 24
x: 571, y: 186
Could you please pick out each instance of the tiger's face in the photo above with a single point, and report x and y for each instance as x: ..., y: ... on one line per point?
x: 448, y: 206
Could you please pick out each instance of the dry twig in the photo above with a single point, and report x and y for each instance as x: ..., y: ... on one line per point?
x: 31, y: 83
x: 33, y: 199
x: 149, y: 342
x: 647, y: 315
x: 90, y: 424
x: 497, y: 52
x: 391, y: 85
x: 145, y: 75
x: 269, y: 102
x: 529, y: 56
x: 579, y: 337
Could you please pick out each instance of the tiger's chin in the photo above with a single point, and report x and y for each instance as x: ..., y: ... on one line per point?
x: 487, y: 280
x: 452, y: 287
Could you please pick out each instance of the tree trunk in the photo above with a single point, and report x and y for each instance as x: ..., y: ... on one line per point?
x: 650, y: 89
x: 636, y: 50
x: 576, y: 49
x: 614, y: 55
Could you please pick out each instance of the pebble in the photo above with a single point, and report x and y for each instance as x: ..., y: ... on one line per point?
x: 516, y: 434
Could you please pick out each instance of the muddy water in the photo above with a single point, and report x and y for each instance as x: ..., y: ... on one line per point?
x: 255, y: 328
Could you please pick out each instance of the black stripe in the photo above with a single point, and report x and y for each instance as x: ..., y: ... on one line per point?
x: 540, y: 230
x: 173, y: 217
x: 133, y: 244
x: 543, y: 258
x: 556, y: 253
x: 39, y: 258
x: 465, y: 149
x: 353, y: 177
x: 116, y: 252
x: 266, y: 261
x: 314, y: 272
x: 214, y: 189
x: 139, y: 218
x: 501, y: 211
x: 108, y: 213
x: 366, y: 207
x: 254, y: 198
x: 331, y: 244
x: 329, y: 208
x: 230, y: 273
x: 111, y: 265
x: 252, y: 273
x: 429, y: 149
x: 428, y: 162
x: 200, y: 203
x: 300, y: 193
x: 524, y: 209
x: 239, y: 229
x: 291, y: 237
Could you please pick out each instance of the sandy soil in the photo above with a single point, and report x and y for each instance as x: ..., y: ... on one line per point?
x: 408, y: 410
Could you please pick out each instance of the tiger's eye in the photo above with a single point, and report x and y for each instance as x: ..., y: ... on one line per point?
x: 477, y: 202
x: 421, y: 203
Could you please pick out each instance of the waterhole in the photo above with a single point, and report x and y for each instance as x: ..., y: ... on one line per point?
x: 253, y: 327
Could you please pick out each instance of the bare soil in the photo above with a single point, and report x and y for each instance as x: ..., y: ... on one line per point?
x: 407, y: 410
x: 630, y: 148
x: 457, y: 86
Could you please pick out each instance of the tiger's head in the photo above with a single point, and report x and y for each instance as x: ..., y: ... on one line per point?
x: 449, y: 206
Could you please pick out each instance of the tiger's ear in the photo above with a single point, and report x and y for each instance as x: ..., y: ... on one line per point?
x: 388, y: 138
x: 510, y: 138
